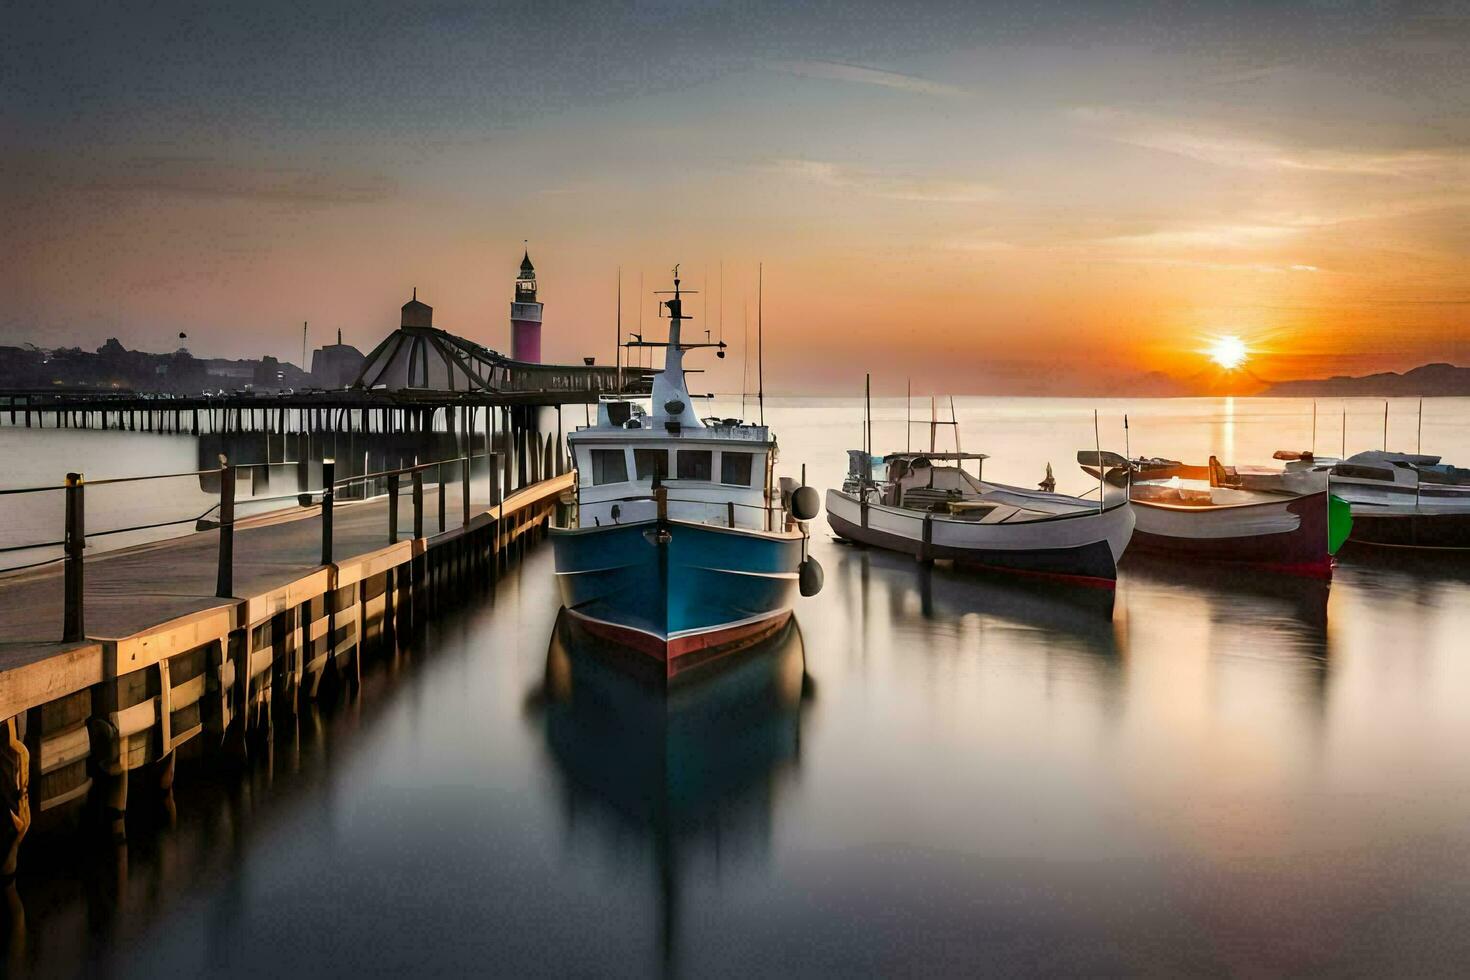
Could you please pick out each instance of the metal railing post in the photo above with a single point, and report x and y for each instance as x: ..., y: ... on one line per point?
x: 329, y: 468
x: 464, y: 488
x: 418, y: 503
x: 75, y: 540
x: 493, y: 462
x: 443, y: 495
x: 224, y: 584
x: 303, y: 469
x: 392, y: 507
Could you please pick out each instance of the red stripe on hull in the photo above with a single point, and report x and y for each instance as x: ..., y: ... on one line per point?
x: 680, y: 654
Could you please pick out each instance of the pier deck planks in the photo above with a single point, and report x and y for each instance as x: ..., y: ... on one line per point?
x: 137, y: 589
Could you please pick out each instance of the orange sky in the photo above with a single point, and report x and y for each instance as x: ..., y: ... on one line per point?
x: 978, y: 209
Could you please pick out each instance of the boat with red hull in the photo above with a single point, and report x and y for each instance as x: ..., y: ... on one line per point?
x: 1222, y: 514
x: 683, y: 547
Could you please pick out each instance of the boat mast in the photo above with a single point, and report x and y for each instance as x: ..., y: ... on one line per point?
x: 760, y: 341
x: 1128, y: 454
x: 618, y: 335
x: 1419, y: 451
x: 868, y: 417
x: 745, y: 356
x: 1097, y: 444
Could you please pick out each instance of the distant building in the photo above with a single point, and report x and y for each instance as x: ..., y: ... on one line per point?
x: 338, y: 365
x: 525, y: 316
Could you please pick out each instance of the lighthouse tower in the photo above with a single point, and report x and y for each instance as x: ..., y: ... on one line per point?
x: 525, y: 316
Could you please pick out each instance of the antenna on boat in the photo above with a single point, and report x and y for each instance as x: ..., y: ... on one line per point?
x: 618, y: 337
x: 868, y: 415
x: 1314, y: 426
x: 1128, y: 452
x: 954, y: 420
x: 1097, y: 444
x: 1385, y: 425
x: 1419, y: 437
x: 1343, y: 455
x: 760, y: 340
x: 745, y: 364
x: 933, y: 424
x: 1418, y: 450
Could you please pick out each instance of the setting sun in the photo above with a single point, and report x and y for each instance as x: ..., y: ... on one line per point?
x: 1229, y: 352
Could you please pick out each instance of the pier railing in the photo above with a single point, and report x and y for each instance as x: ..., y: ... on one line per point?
x: 386, y: 482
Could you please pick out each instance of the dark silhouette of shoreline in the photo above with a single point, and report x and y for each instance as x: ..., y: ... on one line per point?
x: 1427, y: 379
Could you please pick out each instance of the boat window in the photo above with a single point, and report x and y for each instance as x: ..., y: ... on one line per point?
x: 735, y: 468
x: 650, y: 463
x: 609, y: 466
x: 695, y: 464
x: 619, y: 412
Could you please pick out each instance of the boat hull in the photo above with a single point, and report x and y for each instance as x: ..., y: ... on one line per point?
x: 1289, y: 534
x: 677, y: 593
x: 1080, y: 546
x: 1385, y: 528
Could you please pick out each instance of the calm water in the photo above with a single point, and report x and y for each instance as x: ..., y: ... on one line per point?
x: 1202, y: 772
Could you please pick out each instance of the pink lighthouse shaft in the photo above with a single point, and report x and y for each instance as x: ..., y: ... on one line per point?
x: 525, y: 316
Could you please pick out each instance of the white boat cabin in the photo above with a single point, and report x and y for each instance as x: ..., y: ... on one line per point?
x: 716, y: 472
x: 710, y: 471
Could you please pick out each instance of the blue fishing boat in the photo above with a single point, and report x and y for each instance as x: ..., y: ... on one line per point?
x: 683, y: 546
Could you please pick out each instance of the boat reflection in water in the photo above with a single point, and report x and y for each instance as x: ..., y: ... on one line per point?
x: 686, y: 774
x: 1245, y: 605
x: 1059, y: 613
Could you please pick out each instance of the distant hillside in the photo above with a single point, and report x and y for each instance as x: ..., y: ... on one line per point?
x: 1429, y: 379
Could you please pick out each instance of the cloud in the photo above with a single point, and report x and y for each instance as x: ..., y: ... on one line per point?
x: 1208, y: 236
x: 897, y: 187
x: 1224, y: 149
x: 838, y: 72
x: 208, y: 178
x: 1266, y: 267
x: 287, y: 185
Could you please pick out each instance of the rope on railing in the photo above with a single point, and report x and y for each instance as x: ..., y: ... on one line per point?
x: 11, y: 490
x: 417, y: 467
x: 34, y: 564
x: 158, y: 476
x: 149, y: 527
x: 31, y: 547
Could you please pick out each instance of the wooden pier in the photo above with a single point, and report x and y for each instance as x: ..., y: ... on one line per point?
x: 111, y: 665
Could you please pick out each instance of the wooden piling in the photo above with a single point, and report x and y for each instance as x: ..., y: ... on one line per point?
x: 75, y: 541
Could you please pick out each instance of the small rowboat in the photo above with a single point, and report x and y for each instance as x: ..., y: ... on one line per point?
x: 1219, y: 513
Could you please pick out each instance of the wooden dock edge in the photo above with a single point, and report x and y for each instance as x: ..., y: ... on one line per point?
x: 76, y: 721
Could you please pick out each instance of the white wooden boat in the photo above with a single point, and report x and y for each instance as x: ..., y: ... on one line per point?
x: 1282, y: 521
x: 1398, y: 500
x: 928, y: 506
